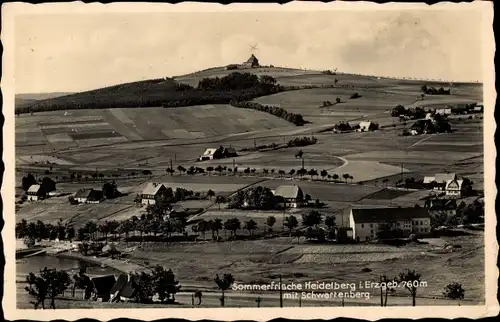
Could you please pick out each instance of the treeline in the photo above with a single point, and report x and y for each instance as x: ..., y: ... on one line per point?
x: 163, y: 92
x: 434, y: 91
x: 280, y: 112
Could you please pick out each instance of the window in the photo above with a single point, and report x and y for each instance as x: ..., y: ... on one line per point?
x: 398, y: 224
x: 367, y: 238
x: 371, y: 225
x: 362, y: 225
x: 421, y: 222
x: 371, y: 231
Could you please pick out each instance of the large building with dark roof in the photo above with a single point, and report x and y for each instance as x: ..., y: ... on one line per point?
x: 367, y: 222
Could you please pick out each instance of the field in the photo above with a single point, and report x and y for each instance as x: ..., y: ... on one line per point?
x: 124, y: 140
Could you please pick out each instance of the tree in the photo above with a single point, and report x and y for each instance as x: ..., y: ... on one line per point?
x: 202, y: 227
x: 281, y: 173
x: 143, y: 285
x: 454, y: 291
x: 48, y: 185
x: 250, y: 225
x: 346, y: 176
x: 48, y: 284
x: 181, y: 169
x: 210, y: 169
x: 70, y: 233
x: 324, y: 173
x: 165, y: 284
x: 232, y: 225
x: 91, y: 228
x: 312, y: 173
x: 291, y: 173
x: 411, y: 279
x: 215, y: 226
x: 335, y: 177
x: 220, y: 199
x: 313, y: 218
x: 223, y: 284
x: 270, y: 221
x: 110, y: 190
x: 28, y: 181
x: 330, y: 222
x: 291, y: 223
x: 210, y: 194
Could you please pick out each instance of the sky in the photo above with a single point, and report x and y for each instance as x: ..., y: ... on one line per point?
x: 75, y: 52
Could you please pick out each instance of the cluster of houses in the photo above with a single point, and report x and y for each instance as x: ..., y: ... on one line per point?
x: 447, y: 183
x: 36, y: 192
x: 462, y: 108
x: 219, y: 153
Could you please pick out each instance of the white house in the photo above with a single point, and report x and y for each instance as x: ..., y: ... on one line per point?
x: 367, y: 222
x: 208, y: 154
x: 35, y: 192
x: 293, y: 196
x: 454, y: 188
x: 443, y: 111
x: 151, y: 192
x: 364, y: 126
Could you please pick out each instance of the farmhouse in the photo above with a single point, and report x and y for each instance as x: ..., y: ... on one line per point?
x: 89, y: 196
x: 152, y: 191
x: 219, y: 153
x: 293, y: 196
x: 366, y: 126
x: 443, y: 111
x: 366, y: 223
x: 439, y: 180
x: 208, y: 154
x: 441, y: 206
x: 35, y: 192
x: 455, y: 188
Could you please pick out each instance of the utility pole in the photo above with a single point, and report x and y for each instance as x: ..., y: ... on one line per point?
x: 302, y: 162
x: 281, y: 294
x: 255, y: 144
x: 171, y: 166
x: 234, y: 164
x: 381, y: 294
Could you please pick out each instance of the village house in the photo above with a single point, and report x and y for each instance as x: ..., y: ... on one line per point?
x: 123, y: 290
x: 455, y: 188
x: 152, y: 191
x: 366, y: 126
x: 89, y: 196
x: 292, y: 196
x: 443, y: 111
x: 102, y: 287
x: 35, y: 192
x: 221, y: 152
x: 367, y: 222
x: 439, y: 180
x: 437, y: 206
x: 208, y: 154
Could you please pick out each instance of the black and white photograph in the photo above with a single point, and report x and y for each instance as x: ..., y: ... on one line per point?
x: 295, y: 159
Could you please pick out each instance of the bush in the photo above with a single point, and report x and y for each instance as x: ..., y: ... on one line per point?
x: 304, y: 141
x: 296, y: 119
x: 355, y: 95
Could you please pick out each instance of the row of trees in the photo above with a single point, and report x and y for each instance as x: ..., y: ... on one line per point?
x: 433, y: 91
x: 313, y: 173
x: 303, y: 141
x: 280, y: 112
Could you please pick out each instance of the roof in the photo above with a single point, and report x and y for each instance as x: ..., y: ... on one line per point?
x: 440, y: 177
x: 230, y: 150
x: 83, y: 193
x: 441, y: 204
x: 95, y: 195
x: 124, y: 286
x: 104, y: 284
x: 288, y: 191
x: 459, y: 183
x: 152, y: 188
x: 365, y: 124
x: 373, y: 215
x: 252, y: 59
x: 209, y: 151
x: 34, y: 188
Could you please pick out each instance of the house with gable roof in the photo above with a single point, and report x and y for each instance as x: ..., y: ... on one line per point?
x: 151, y: 192
x: 291, y: 196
